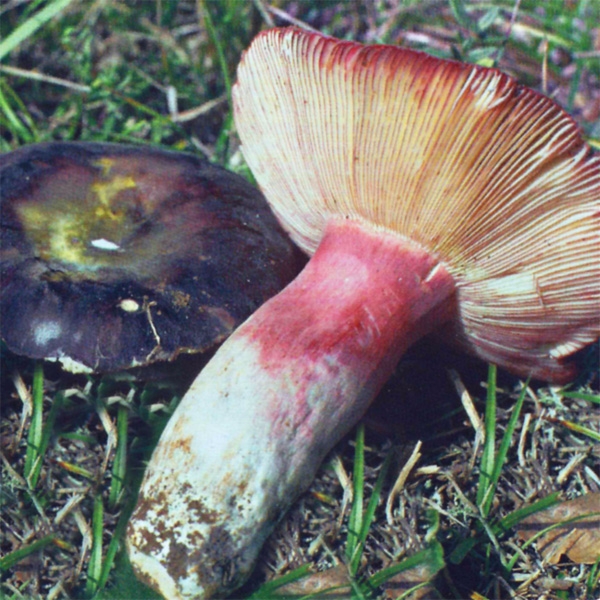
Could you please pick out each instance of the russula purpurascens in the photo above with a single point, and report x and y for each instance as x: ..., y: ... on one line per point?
x: 115, y: 257
x: 433, y: 195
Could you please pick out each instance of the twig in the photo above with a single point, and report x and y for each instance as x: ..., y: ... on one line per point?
x: 402, y: 477
x: 37, y: 76
x: 264, y: 13
x: 286, y: 17
x: 471, y: 411
x: 193, y: 113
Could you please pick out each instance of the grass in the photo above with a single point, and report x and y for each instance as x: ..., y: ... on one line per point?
x: 35, y: 450
x: 160, y: 73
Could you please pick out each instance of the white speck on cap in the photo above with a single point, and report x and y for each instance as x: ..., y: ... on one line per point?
x: 129, y: 305
x: 46, y: 331
x: 103, y: 244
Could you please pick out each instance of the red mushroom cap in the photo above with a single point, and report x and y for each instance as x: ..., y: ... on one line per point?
x: 491, y: 177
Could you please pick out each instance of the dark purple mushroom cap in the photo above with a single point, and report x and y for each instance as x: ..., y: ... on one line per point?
x: 118, y: 256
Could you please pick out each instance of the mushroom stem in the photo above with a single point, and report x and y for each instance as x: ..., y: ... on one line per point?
x: 292, y: 380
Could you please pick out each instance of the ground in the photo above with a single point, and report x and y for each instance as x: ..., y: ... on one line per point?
x: 160, y: 73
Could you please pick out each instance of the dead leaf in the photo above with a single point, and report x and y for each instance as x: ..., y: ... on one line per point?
x: 578, y: 540
x: 335, y: 583
x: 402, y: 582
x: 332, y: 583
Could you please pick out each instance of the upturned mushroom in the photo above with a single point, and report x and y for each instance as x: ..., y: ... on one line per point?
x: 114, y: 257
x: 433, y: 195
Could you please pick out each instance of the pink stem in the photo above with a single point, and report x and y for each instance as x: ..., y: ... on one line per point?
x: 252, y: 430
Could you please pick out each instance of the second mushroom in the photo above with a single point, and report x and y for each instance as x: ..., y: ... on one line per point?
x: 433, y: 195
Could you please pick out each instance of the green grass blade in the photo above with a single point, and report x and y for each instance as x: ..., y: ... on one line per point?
x: 76, y: 469
x: 491, y: 532
x: 369, y: 515
x: 502, y: 452
x: 461, y: 15
x: 356, y: 514
x: 488, y: 19
x: 488, y: 456
x: 433, y: 557
x: 581, y: 429
x: 270, y: 587
x: 594, y: 579
x: 11, y: 559
x: 580, y: 396
x: 95, y: 565
x: 462, y: 549
x: 222, y: 144
x: 80, y: 437
x: 9, y: 120
x: 34, y: 437
x: 27, y: 29
x: 113, y: 548
x: 214, y: 36
x: 515, y: 517
x: 120, y: 461
x: 357, y: 592
x: 47, y: 432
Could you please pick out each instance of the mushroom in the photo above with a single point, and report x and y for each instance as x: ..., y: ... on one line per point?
x: 432, y: 195
x: 119, y: 256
